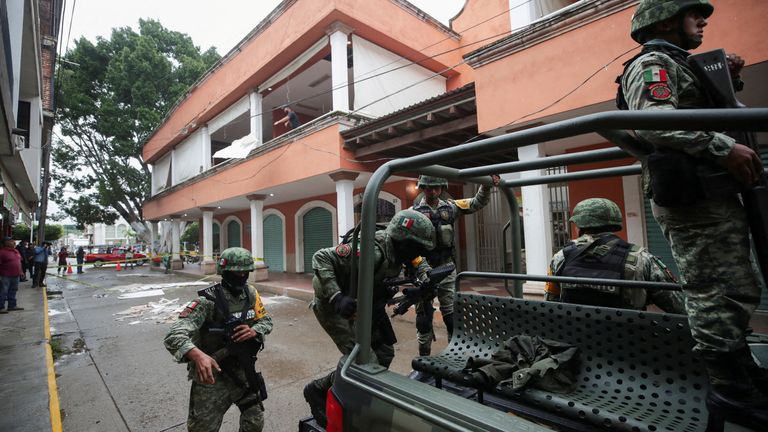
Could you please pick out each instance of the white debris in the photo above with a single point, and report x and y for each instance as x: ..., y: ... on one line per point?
x: 52, y: 312
x: 162, y: 311
x: 139, y: 294
x: 143, y: 275
x: 145, y: 287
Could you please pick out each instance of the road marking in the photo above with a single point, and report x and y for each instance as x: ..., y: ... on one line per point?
x: 53, y: 393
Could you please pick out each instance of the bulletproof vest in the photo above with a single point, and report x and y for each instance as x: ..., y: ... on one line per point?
x: 442, y: 218
x: 213, y: 333
x: 604, y: 258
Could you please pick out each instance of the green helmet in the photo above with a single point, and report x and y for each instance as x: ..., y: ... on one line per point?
x: 596, y: 212
x: 650, y: 12
x: 425, y: 180
x: 234, y: 259
x: 414, y: 226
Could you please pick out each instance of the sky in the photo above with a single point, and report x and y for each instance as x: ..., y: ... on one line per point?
x: 221, y: 23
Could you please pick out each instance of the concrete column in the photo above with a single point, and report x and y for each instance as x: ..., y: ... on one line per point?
x: 256, y: 120
x: 206, y: 137
x: 537, y: 220
x: 175, y: 243
x: 257, y: 236
x: 345, y: 206
x: 173, y: 167
x: 209, y: 265
x: 338, y: 34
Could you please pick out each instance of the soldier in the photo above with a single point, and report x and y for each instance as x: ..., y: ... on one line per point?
x: 709, y: 236
x: 599, y: 253
x: 443, y: 214
x: 218, y: 335
x: 407, y: 238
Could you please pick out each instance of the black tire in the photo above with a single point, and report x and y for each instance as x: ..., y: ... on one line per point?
x: 140, y: 262
x: 98, y: 263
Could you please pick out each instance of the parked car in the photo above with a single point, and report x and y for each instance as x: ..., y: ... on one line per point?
x: 117, y: 255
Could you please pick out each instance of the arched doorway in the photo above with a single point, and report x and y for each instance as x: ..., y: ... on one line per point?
x: 216, y: 238
x: 233, y: 234
x: 273, y: 243
x: 317, y: 226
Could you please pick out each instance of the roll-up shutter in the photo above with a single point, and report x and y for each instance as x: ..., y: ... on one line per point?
x: 273, y: 243
x: 318, y: 234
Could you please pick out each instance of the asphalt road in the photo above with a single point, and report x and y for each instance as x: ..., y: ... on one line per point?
x: 119, y: 377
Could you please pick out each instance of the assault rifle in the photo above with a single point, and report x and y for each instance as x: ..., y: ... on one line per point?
x: 243, y: 353
x: 420, y: 290
x: 712, y: 70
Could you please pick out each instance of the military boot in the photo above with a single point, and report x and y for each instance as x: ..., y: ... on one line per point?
x: 315, y: 394
x: 448, y: 320
x: 733, y: 396
x: 758, y: 374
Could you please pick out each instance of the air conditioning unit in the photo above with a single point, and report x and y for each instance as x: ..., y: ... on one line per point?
x: 19, y: 142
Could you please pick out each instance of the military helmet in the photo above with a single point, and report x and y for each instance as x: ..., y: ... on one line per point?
x: 596, y: 212
x: 650, y: 12
x: 414, y: 226
x: 235, y: 259
x: 425, y: 180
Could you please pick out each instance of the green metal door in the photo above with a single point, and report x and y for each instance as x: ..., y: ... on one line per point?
x: 233, y: 234
x: 656, y: 242
x: 216, y: 240
x: 273, y: 243
x: 318, y: 234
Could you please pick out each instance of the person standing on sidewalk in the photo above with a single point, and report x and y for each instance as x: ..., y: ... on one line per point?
x: 22, y: 248
x: 10, y: 271
x: 28, y: 257
x: 61, y: 268
x: 40, y: 261
x: 80, y: 255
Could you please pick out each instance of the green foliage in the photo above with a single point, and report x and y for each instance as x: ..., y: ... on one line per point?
x: 107, y: 107
x: 191, y: 235
x: 52, y: 232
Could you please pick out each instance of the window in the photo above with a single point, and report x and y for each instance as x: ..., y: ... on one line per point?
x: 524, y: 12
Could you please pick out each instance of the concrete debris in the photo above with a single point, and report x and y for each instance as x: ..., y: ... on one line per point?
x: 52, y: 312
x: 161, y: 311
x: 139, y: 294
x: 145, y: 287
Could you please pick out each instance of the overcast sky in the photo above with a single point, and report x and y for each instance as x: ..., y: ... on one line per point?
x: 221, y: 23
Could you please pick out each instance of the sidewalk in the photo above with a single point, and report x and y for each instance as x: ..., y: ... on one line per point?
x: 24, y: 366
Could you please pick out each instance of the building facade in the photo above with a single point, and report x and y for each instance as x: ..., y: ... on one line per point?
x: 29, y: 37
x: 380, y: 79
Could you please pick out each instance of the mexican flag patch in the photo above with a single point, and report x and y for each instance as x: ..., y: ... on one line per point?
x: 655, y: 74
x: 406, y: 223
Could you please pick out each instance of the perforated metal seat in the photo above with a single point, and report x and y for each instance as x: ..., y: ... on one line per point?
x: 637, y: 372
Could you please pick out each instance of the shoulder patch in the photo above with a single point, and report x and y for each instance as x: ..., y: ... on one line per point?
x: 654, y: 74
x: 189, y: 308
x: 463, y: 204
x: 659, y: 91
x: 258, y: 307
x: 343, y: 250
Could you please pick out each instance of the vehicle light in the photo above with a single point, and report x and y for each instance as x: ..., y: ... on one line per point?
x: 334, y: 413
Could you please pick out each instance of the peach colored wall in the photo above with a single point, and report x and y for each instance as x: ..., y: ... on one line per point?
x: 530, y: 80
x: 302, y: 24
x: 610, y: 188
x: 276, y: 167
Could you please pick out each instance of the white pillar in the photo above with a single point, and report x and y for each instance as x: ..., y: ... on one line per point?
x: 256, y: 120
x: 537, y: 219
x: 338, y: 33
x: 257, y: 225
x: 175, y: 242
x: 206, y: 137
x: 209, y: 265
x: 173, y: 167
x: 153, y: 238
x: 345, y: 206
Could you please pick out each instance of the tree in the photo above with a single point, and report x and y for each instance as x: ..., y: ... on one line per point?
x: 52, y: 232
x: 114, y: 93
x: 191, y: 235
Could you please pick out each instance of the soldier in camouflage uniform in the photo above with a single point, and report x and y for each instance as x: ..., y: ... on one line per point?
x: 408, y: 236
x: 227, y: 315
x: 443, y: 213
x: 598, y: 253
x: 709, y: 236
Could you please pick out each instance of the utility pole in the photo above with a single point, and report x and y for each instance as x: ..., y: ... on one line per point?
x: 45, y: 180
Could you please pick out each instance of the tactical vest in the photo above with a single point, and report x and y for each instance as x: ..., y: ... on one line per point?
x: 213, y: 333
x: 442, y: 219
x: 604, y: 258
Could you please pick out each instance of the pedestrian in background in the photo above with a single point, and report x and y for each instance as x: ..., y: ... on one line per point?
x: 40, y: 261
x: 10, y: 272
x: 22, y: 248
x: 61, y: 268
x: 80, y: 256
x: 29, y: 255
x: 129, y: 257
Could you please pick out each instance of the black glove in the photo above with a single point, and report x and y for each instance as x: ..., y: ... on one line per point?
x: 345, y: 306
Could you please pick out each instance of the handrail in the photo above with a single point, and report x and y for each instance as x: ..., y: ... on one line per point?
x: 503, y: 256
x: 751, y: 119
x: 622, y: 283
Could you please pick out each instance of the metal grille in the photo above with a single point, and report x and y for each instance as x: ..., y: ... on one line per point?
x: 490, y: 221
x: 560, y: 209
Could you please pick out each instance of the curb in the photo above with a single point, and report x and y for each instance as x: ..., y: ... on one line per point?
x: 53, y: 392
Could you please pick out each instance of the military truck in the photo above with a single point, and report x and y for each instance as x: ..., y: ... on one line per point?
x: 637, y: 372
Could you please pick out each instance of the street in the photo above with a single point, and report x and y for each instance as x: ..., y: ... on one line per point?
x: 118, y: 376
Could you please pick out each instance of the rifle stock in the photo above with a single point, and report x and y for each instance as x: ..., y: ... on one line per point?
x: 411, y: 296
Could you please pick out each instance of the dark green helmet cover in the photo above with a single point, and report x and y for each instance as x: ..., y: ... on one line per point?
x: 650, y: 12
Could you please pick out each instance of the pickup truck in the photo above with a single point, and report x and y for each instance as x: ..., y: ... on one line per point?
x: 116, y: 255
x: 636, y: 371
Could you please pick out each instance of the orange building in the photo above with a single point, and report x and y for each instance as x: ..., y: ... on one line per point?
x: 380, y: 79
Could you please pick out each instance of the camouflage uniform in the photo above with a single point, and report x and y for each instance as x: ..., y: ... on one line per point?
x: 209, y: 402
x: 640, y: 265
x: 443, y: 217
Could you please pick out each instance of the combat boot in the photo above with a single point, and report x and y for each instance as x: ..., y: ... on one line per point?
x: 315, y: 394
x: 758, y: 374
x: 733, y: 396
